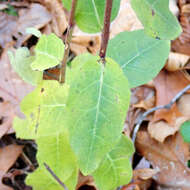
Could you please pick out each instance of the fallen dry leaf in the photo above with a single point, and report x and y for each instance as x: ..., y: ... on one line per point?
x: 169, y: 158
x: 182, y: 43
x: 126, y: 20
x: 82, y: 44
x: 8, y: 156
x: 145, y: 97
x: 85, y: 181
x: 177, y: 61
x: 146, y: 173
x: 7, y: 28
x: 184, y: 105
x: 167, y: 85
x: 160, y: 130
x: 36, y: 16
x: 12, y: 87
x: 58, y: 23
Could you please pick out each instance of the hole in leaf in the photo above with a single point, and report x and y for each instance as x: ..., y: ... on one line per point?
x: 87, y: 187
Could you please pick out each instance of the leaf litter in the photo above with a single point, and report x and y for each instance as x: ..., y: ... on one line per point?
x: 158, y: 141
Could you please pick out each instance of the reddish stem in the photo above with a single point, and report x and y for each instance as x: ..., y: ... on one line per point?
x: 68, y: 41
x: 106, y: 30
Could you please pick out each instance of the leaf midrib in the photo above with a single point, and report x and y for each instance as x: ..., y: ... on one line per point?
x: 97, y: 111
x: 140, y: 53
x: 96, y: 13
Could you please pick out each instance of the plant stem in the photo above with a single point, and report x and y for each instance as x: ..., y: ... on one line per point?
x: 55, y: 177
x: 106, y: 30
x: 68, y: 41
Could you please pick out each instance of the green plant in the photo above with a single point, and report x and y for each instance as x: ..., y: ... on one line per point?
x: 77, y: 123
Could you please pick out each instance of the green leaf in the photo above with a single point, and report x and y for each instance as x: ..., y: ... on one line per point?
x: 157, y: 18
x: 96, y: 109
x: 49, y: 52
x: 89, y: 14
x: 67, y: 4
x: 185, y: 131
x: 44, y: 110
x: 34, y: 31
x: 115, y: 170
x: 21, y: 62
x: 41, y: 179
x: 140, y: 56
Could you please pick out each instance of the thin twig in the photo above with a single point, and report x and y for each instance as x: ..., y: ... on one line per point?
x: 106, y: 30
x: 167, y: 106
x: 55, y: 177
x: 68, y: 41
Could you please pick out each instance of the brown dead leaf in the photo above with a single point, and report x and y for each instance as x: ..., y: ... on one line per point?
x: 167, y: 85
x: 160, y: 130
x: 184, y: 105
x: 15, y: 27
x: 126, y: 20
x: 169, y: 158
x: 36, y: 16
x: 182, y: 44
x: 8, y: 156
x: 7, y: 28
x: 145, y: 173
x: 145, y: 97
x: 177, y: 61
x: 58, y: 23
x: 85, y: 181
x: 142, y: 179
x: 12, y: 87
x: 82, y: 44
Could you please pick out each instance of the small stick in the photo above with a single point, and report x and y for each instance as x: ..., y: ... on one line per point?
x: 55, y: 177
x: 68, y: 41
x: 106, y: 30
x: 167, y: 106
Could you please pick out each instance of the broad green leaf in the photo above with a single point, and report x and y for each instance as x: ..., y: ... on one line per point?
x: 96, y: 109
x: 34, y: 32
x: 67, y: 4
x: 49, y: 52
x: 140, y: 56
x: 157, y: 19
x: 41, y: 179
x: 115, y: 169
x: 21, y: 62
x: 185, y: 131
x: 44, y: 110
x: 89, y: 14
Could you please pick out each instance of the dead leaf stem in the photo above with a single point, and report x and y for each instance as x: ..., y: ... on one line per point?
x: 167, y: 106
x: 68, y: 41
